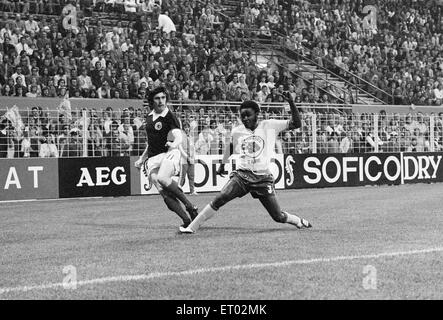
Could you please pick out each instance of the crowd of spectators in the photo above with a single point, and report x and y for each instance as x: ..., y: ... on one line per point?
x: 364, y: 133
x: 77, y: 134
x: 196, y: 51
x: 395, y: 45
x: 188, y: 48
x: 100, y: 133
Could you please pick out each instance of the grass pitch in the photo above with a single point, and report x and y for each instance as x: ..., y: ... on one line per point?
x: 129, y: 248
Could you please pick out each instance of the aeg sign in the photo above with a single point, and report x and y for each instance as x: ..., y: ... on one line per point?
x: 330, y: 170
x: 103, y: 177
x: 91, y: 177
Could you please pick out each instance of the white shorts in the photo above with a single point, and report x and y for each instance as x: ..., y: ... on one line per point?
x: 155, y: 162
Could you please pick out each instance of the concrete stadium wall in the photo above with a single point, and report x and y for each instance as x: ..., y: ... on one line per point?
x: 53, y: 103
x: 101, y: 177
x: 396, y: 109
x: 115, y: 104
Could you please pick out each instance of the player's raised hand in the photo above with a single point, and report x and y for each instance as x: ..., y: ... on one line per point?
x: 221, y: 170
x: 286, y: 96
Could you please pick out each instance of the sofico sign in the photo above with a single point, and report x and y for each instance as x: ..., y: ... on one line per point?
x: 331, y: 170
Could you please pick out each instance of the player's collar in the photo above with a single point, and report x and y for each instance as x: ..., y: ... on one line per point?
x: 156, y: 115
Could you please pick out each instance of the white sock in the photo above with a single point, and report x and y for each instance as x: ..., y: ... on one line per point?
x: 293, y: 219
x: 206, y: 214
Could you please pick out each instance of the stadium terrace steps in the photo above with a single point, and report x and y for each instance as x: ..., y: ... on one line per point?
x: 265, y: 51
x: 336, y: 82
x: 307, y: 71
x: 230, y: 8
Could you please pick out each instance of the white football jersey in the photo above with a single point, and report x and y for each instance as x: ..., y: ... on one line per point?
x: 255, y: 149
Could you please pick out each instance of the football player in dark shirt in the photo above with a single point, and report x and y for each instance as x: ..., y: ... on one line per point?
x: 161, y: 158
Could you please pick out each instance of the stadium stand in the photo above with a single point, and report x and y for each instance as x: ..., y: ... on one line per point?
x: 202, y: 55
x: 114, y: 49
x: 392, y: 44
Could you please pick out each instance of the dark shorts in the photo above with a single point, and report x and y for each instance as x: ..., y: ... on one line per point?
x: 259, y: 186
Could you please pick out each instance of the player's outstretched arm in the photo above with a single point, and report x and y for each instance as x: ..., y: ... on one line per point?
x: 295, y: 122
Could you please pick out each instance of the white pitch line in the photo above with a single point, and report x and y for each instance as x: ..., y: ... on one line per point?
x: 156, y: 275
x: 48, y: 200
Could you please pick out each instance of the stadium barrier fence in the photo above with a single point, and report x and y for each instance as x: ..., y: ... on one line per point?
x: 68, y: 132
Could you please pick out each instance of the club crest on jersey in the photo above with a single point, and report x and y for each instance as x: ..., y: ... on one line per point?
x: 252, y: 146
x: 158, y: 126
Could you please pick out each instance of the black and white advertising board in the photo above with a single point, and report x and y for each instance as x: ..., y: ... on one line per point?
x: 94, y: 177
x: 345, y: 170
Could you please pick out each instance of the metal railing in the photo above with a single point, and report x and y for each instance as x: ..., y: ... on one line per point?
x: 277, y: 43
x: 349, y: 75
x: 313, y: 80
x: 101, y: 133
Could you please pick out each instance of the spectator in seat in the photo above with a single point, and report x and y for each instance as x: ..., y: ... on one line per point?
x: 99, y: 79
x: 188, y: 159
x: 95, y: 139
x: 203, y: 144
x: 155, y: 73
x: 19, y: 88
x: 48, y: 148
x: 114, y: 145
x: 70, y: 144
x: 263, y: 94
x: 18, y: 24
x: 393, y: 143
x: 18, y: 74
x: 8, y: 91
x: 130, y: 7
x: 104, y: 91
x: 31, y: 26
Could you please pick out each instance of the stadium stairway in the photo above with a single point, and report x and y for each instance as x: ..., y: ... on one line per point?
x: 230, y: 7
x: 265, y: 50
x: 316, y: 73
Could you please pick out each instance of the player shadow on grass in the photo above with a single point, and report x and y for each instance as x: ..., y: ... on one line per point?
x: 205, y: 233
x: 113, y: 225
x: 220, y: 231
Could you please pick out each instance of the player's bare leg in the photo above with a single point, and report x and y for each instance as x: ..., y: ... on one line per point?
x: 207, y: 213
x: 164, y: 178
x: 273, y: 207
x: 171, y: 201
x: 230, y: 191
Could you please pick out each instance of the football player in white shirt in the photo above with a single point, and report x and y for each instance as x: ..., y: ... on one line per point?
x: 254, y: 141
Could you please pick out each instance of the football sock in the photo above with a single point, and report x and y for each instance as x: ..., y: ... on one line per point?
x: 178, y: 193
x: 174, y: 205
x: 207, y: 213
x: 293, y: 219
